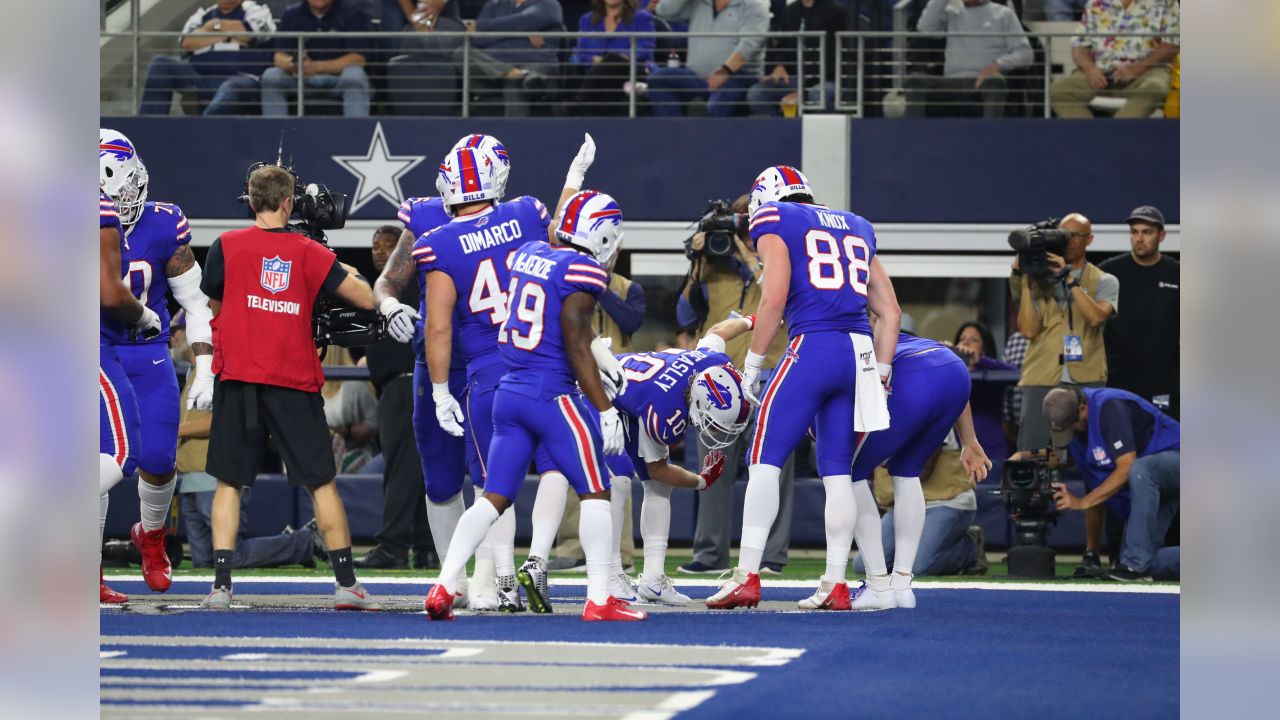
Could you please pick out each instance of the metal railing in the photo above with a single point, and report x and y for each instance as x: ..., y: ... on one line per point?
x: 876, y: 73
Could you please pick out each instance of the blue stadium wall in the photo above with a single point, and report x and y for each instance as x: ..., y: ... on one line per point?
x: 924, y: 171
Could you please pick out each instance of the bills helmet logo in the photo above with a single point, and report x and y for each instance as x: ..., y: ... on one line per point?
x: 275, y: 274
x: 718, y: 395
x: 119, y: 148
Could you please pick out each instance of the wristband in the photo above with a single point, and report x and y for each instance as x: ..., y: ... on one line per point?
x: 751, y: 321
x: 754, y: 360
x: 387, y: 305
x: 885, y: 369
x: 439, y: 390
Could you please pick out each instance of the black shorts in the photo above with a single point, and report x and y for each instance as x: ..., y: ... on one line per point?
x: 245, y: 413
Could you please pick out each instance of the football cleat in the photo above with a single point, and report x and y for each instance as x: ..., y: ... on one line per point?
x: 874, y: 594
x: 156, y: 569
x: 462, y: 598
x: 828, y: 596
x: 621, y: 587
x: 661, y: 591
x: 740, y: 590
x: 219, y: 598
x: 439, y: 603
x: 508, y: 595
x: 611, y: 609
x: 107, y: 596
x: 903, y: 597
x: 353, y: 598
x: 532, y: 576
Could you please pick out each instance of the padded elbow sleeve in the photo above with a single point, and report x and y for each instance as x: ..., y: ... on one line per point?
x: 186, y: 290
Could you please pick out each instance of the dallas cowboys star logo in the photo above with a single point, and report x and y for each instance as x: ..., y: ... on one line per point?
x: 379, y: 173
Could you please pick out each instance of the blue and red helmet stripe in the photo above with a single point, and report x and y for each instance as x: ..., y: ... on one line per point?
x: 789, y: 175
x: 467, y: 171
x: 569, y: 222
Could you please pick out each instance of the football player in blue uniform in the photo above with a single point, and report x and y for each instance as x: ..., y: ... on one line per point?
x: 821, y: 271
x: 551, y: 351
x: 160, y: 263
x: 121, y: 314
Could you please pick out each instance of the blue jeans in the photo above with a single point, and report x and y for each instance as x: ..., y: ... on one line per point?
x: 278, y: 87
x: 166, y: 75
x: 1154, y: 484
x: 283, y: 549
x: 670, y: 88
x: 945, y: 545
x: 764, y: 97
x: 1063, y: 9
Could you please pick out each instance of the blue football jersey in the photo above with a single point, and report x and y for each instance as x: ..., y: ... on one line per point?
x: 420, y: 216
x: 160, y: 230
x: 916, y: 351
x: 542, y: 277
x: 110, y: 330
x: 475, y: 251
x: 658, y: 387
x: 830, y: 252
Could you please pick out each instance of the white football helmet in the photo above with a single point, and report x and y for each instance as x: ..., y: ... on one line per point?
x: 776, y: 183
x: 470, y: 175
x: 591, y: 222
x: 718, y: 408
x: 121, y: 174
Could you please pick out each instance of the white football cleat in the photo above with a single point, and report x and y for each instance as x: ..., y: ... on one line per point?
x: 484, y: 593
x: 661, y: 591
x: 903, y: 597
x: 874, y: 594
x: 622, y: 588
x: 461, y: 598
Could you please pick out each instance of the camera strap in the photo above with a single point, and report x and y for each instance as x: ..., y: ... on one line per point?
x: 1071, y: 325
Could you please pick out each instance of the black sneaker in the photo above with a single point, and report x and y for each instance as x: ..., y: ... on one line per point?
x: 1124, y: 573
x: 770, y: 568
x: 697, y: 568
x: 381, y: 558
x: 568, y: 564
x: 1090, y: 567
x: 426, y: 560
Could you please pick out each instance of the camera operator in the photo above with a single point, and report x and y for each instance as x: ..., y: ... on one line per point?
x: 724, y: 280
x: 263, y: 282
x: 1129, y: 453
x: 1062, y: 313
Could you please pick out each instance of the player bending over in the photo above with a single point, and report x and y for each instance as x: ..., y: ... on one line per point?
x: 821, y: 271
x: 160, y: 263
x: 547, y: 342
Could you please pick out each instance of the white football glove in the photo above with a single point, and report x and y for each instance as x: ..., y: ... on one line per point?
x: 751, y: 377
x: 200, y: 396
x: 578, y: 168
x: 147, y: 326
x: 401, y: 319
x: 448, y: 411
x: 615, y: 440
x: 612, y: 375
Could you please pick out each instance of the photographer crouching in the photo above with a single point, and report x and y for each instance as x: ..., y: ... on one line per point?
x: 263, y: 282
x: 1063, y: 304
x: 723, y: 282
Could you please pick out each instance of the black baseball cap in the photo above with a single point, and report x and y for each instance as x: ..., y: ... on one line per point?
x: 1061, y: 409
x: 1147, y: 214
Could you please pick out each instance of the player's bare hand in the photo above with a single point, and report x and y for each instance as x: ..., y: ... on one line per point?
x: 448, y: 411
x: 615, y: 440
x: 401, y: 319
x: 975, y: 462
x: 712, y: 468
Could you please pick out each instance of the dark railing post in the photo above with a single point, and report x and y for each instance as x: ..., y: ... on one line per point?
x: 631, y: 71
x: 466, y: 76
x: 297, y: 66
x: 859, y: 78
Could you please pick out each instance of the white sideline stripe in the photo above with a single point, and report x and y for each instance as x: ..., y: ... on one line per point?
x: 374, y: 676
x: 422, y: 583
x: 671, y: 706
x: 105, y: 654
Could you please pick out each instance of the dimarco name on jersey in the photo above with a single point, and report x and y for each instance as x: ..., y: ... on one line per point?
x: 491, y: 236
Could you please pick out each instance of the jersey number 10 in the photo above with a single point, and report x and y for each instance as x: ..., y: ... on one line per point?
x: 827, y: 262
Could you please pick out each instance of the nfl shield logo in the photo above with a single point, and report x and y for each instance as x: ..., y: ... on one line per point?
x: 275, y: 274
x: 1100, y: 455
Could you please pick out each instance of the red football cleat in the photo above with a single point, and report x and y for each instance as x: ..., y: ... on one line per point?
x: 828, y: 596
x: 108, y: 596
x: 156, y: 569
x: 439, y: 603
x: 742, y: 590
x: 612, y: 609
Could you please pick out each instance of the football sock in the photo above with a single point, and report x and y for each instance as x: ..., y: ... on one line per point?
x: 619, y: 491
x: 103, y: 501
x: 502, y: 541
x: 154, y: 501
x: 109, y: 473
x: 840, y: 515
x: 222, y: 568
x: 867, y: 530
x: 343, y: 571
x: 443, y: 519
x: 548, y: 510
x: 908, y: 522
x: 759, y: 510
x: 595, y: 525
x: 655, y: 527
x: 470, y: 532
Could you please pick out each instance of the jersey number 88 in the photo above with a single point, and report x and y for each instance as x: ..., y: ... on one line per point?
x: 827, y: 263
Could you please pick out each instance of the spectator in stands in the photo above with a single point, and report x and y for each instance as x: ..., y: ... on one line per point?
x: 425, y: 18
x: 950, y: 544
x: 778, y: 88
x: 331, y: 67
x: 1064, y: 10
x: 719, y: 69
x: 404, y: 507
x: 1143, y: 344
x: 606, y: 62
x: 976, y: 346
x: 1130, y: 455
x: 222, y: 69
x: 716, y: 289
x: 1134, y: 68
x: 1063, y: 322
x: 974, y: 67
x: 521, y: 65
x: 352, y: 415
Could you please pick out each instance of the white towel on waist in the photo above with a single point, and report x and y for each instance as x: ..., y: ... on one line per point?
x: 870, y: 406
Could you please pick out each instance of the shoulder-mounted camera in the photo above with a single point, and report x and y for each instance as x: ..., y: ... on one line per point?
x: 1033, y: 245
x: 719, y: 225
